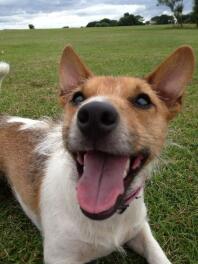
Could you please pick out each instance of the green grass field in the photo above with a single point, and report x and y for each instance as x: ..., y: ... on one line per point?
x: 31, y: 91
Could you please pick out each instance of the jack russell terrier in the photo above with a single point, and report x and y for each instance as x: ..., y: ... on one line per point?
x: 77, y: 179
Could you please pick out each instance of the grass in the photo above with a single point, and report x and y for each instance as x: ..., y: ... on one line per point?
x: 31, y: 91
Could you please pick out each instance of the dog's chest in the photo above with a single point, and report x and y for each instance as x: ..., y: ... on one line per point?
x: 114, y: 232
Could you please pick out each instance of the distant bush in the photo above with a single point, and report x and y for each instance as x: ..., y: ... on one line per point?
x: 31, y: 26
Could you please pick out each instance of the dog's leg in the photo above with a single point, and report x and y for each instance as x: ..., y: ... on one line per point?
x: 70, y: 251
x: 60, y: 251
x: 145, y: 244
x: 57, y: 256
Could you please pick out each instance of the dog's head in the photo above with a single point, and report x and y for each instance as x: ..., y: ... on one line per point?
x: 115, y: 126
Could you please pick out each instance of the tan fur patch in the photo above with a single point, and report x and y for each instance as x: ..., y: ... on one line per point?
x: 18, y: 161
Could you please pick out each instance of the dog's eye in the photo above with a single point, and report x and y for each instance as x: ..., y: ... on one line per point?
x: 78, y: 98
x: 142, y: 101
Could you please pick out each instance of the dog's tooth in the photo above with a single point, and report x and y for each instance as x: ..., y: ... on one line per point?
x: 80, y: 158
x: 126, y: 169
x: 137, y: 162
x: 125, y: 174
x: 127, y: 165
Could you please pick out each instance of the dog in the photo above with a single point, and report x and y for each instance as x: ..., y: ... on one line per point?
x: 81, y: 179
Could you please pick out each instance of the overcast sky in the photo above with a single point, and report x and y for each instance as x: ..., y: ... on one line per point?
x: 59, y: 13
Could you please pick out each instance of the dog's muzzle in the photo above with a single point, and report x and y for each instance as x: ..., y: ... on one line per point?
x: 105, y: 169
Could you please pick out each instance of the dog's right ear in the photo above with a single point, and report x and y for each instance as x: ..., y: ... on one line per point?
x: 72, y: 73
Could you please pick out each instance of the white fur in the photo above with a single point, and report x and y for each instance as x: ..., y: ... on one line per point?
x: 33, y: 217
x: 4, y: 70
x: 52, y: 142
x: 28, y: 123
x: 96, y: 99
x: 146, y: 245
x: 69, y: 236
x: 66, y: 229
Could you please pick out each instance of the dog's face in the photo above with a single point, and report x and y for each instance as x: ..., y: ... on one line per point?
x: 115, y: 126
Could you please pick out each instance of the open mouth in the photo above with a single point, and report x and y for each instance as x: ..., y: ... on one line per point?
x: 104, y: 182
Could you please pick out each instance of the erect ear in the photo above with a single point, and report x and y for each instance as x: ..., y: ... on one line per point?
x: 72, y: 73
x: 171, y: 77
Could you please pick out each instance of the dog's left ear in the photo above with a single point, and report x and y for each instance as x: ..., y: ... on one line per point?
x: 72, y: 73
x: 171, y: 77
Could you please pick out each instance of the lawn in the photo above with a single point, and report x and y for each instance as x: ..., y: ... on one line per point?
x: 31, y: 91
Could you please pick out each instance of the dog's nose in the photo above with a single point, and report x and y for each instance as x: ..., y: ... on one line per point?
x: 97, y: 119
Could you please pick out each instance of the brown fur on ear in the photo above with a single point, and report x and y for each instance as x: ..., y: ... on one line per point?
x: 72, y: 72
x: 170, y: 78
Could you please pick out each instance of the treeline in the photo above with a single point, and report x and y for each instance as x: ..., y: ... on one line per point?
x: 165, y: 19
x: 133, y: 20
x: 126, y: 20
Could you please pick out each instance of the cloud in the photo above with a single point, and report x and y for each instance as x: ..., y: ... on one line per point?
x: 59, y: 13
x: 109, y: 10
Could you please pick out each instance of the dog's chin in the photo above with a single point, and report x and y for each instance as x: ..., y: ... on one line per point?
x: 104, y: 183
x: 101, y: 216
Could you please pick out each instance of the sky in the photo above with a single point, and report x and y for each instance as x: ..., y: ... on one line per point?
x: 17, y: 14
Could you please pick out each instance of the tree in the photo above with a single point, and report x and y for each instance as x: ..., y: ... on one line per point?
x: 188, y: 18
x: 139, y: 19
x: 178, y: 12
x: 162, y: 20
x: 105, y: 22
x: 130, y: 20
x: 195, y: 12
x: 102, y: 24
x: 111, y: 23
x: 176, y: 7
x: 31, y: 26
x: 92, y: 24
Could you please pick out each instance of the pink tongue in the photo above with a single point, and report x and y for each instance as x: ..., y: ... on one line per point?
x: 101, y: 182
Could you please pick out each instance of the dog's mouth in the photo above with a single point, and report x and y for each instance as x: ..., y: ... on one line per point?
x: 104, y: 182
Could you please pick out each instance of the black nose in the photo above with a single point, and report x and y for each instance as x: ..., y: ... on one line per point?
x: 97, y: 119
